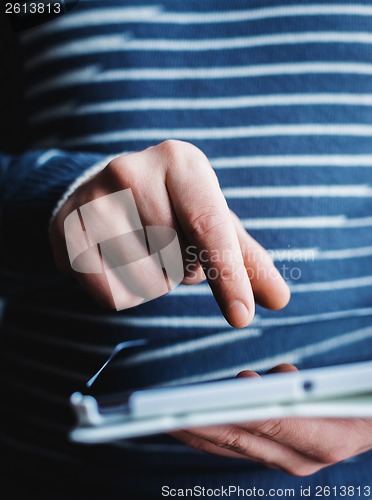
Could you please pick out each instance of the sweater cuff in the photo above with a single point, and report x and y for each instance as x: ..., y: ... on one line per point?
x: 84, y: 177
x: 35, y: 182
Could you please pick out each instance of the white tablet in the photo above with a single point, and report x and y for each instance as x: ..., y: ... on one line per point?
x: 334, y: 391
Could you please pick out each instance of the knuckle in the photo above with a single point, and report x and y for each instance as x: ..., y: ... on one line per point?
x: 272, y: 429
x: 115, y: 166
x: 233, y: 440
x: 182, y: 154
x: 123, y: 171
x: 205, y: 222
x: 175, y: 149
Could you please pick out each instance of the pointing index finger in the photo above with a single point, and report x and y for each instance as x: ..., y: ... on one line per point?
x: 204, y: 216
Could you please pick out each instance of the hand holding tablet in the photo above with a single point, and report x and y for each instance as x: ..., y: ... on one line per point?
x: 336, y: 391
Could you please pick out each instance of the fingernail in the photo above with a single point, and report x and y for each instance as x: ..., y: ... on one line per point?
x: 238, y: 314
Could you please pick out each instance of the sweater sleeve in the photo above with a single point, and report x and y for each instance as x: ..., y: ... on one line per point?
x: 32, y: 186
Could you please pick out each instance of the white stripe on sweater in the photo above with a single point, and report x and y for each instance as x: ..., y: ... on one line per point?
x: 71, y: 109
x: 321, y: 286
x: 315, y: 254
x: 293, y: 356
x: 200, y: 322
x: 156, y: 15
x: 95, y: 74
x: 203, y: 343
x: 316, y: 222
x: 124, y: 43
x: 330, y: 191
x: 357, y: 160
x: 223, y: 133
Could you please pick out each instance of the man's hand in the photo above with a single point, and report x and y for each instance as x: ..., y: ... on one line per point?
x: 299, y: 446
x: 174, y: 185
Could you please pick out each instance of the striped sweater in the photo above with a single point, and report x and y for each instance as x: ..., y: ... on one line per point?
x: 278, y: 95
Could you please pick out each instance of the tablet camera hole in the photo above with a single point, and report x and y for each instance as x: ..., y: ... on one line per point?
x: 308, y: 386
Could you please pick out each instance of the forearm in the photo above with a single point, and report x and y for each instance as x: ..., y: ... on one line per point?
x: 31, y: 184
